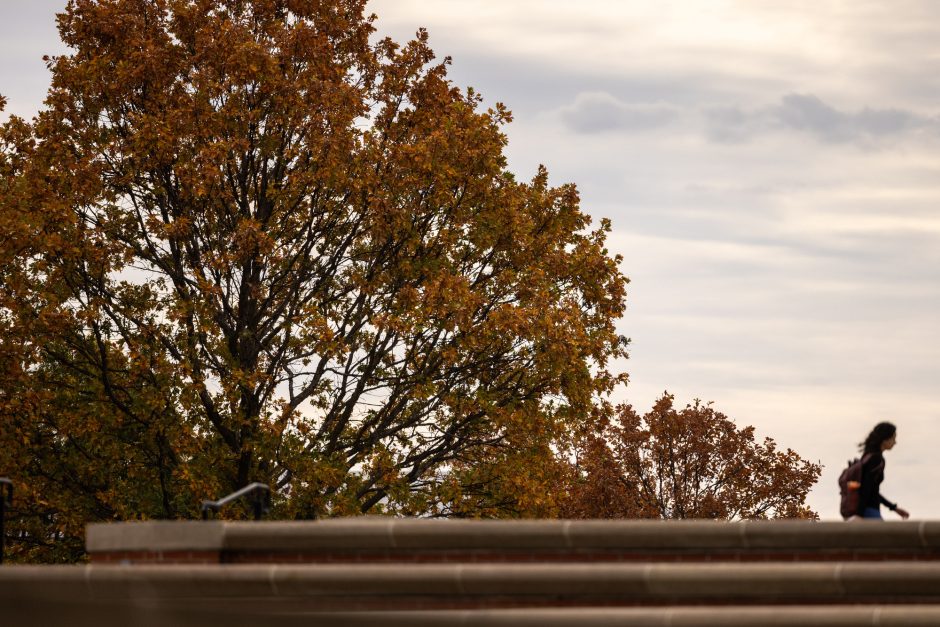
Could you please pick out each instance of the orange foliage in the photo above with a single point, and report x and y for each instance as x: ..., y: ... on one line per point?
x: 685, y: 463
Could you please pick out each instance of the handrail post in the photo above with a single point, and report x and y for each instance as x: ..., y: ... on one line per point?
x: 258, y: 493
x: 5, y: 500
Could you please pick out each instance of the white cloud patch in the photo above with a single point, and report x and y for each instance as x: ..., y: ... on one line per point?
x: 596, y: 112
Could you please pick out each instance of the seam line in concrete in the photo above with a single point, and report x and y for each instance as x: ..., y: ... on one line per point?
x: 743, y: 535
x: 565, y: 532
x: 391, y: 534
x: 272, y: 580
x: 87, y: 577
x: 458, y: 576
x: 837, y: 575
x: 876, y: 616
x: 922, y: 534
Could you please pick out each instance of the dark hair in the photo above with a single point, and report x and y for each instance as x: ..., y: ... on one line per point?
x: 882, y: 431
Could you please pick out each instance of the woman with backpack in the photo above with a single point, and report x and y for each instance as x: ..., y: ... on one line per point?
x: 882, y: 438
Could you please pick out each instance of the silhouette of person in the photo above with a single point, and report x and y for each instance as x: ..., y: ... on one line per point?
x: 882, y: 438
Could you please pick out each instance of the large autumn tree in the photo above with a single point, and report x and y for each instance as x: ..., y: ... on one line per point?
x: 692, y: 462
x: 246, y: 240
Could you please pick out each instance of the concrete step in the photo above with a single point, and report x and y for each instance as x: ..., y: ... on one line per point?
x: 386, y: 587
x: 146, y: 613
x: 821, y: 616
x: 374, y: 539
x: 804, y: 616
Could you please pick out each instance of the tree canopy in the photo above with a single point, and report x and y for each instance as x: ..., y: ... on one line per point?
x: 692, y: 462
x: 246, y: 240
x: 249, y: 240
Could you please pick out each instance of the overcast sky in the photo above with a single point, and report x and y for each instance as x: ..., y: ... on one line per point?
x: 772, y: 171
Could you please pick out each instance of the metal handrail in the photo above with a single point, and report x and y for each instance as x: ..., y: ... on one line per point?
x: 5, y: 501
x: 258, y: 493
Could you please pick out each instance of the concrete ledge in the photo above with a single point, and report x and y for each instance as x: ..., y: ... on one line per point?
x: 822, y: 616
x: 155, y: 535
x: 389, y: 586
x: 389, y: 538
x: 101, y: 615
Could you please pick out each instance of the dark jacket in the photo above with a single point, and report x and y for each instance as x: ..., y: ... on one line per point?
x: 873, y: 473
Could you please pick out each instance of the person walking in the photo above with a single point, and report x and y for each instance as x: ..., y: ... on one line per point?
x: 882, y: 438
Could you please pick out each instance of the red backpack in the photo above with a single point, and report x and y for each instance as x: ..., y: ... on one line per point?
x: 849, y: 483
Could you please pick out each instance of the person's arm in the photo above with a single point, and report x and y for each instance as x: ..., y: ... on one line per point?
x: 894, y: 507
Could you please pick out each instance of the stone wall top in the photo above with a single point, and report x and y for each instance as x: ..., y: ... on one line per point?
x: 402, y: 534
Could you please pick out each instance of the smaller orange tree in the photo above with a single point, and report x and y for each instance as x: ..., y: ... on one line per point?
x: 684, y: 463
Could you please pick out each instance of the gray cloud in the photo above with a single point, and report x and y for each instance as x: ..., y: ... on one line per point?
x: 889, y: 121
x: 594, y: 112
x: 809, y: 114
x: 730, y: 125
